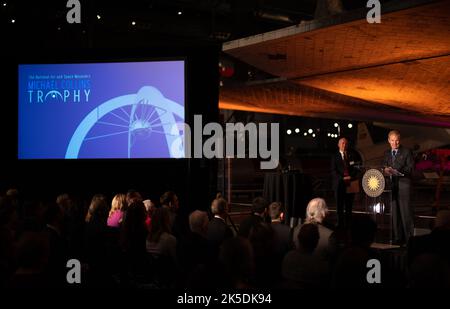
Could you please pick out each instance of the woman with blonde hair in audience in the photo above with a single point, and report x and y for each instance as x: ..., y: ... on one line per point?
x: 116, y: 212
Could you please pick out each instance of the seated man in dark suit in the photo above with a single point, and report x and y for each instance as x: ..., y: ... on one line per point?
x: 218, y: 230
x: 259, y: 210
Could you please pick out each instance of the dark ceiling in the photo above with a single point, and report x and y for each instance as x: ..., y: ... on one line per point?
x: 109, y: 23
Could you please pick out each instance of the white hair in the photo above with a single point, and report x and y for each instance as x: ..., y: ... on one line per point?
x: 316, y: 211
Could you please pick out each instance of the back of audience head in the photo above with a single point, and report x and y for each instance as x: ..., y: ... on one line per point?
x: 119, y: 202
x: 98, y: 209
x: 259, y: 205
x: 316, y: 211
x: 68, y: 205
x: 170, y: 200
x: 62, y: 199
x: 198, y: 222
x: 219, y: 206
x: 149, y: 206
x: 136, y: 215
x: 275, y: 211
x: 133, y: 196
x: 308, y: 237
x: 13, y: 195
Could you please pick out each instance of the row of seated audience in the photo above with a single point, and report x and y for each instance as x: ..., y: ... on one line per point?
x: 139, y: 243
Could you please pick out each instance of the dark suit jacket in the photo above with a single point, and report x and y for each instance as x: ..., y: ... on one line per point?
x: 248, y: 223
x: 403, y: 161
x: 337, y: 168
x: 218, y: 231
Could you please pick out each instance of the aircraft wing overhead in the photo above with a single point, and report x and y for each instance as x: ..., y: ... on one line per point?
x: 437, y: 134
x: 402, y: 63
x: 284, y: 97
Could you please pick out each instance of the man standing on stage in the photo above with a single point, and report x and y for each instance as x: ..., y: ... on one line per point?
x: 398, y: 164
x: 343, y: 172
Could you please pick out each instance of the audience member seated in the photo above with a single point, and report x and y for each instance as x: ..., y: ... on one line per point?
x: 316, y: 212
x: 259, y: 210
x: 218, y: 230
x: 160, y: 241
x: 149, y: 207
x: 97, y: 243
x: 266, y: 259
x: 169, y: 200
x: 161, y: 248
x: 351, y: 266
x: 178, y: 224
x: 118, y: 205
x: 236, y: 264
x: 301, y: 268
x: 8, y: 231
x: 58, y: 254
x: 133, y: 196
x: 33, y: 250
x: 282, y: 231
x: 193, y: 248
x: 73, y: 224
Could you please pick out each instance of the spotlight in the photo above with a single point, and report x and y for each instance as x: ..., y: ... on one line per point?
x: 310, y: 131
x: 336, y: 125
x: 289, y: 132
x: 350, y: 126
x: 297, y: 130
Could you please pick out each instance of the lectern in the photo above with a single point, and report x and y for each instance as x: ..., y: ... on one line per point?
x: 378, y: 196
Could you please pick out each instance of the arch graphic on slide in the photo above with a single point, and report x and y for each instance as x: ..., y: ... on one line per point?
x: 137, y: 115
